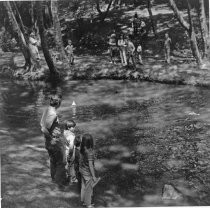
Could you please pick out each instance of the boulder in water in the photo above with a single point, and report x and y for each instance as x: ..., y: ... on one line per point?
x: 171, y: 193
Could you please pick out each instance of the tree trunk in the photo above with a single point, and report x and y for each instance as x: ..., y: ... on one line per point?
x: 57, y: 30
x: 103, y: 15
x: 189, y: 28
x: 16, y: 28
x: 149, y: 7
x: 204, y: 27
x: 32, y: 13
x: 193, y: 41
x: 98, y: 7
x: 20, y: 19
x: 44, y: 44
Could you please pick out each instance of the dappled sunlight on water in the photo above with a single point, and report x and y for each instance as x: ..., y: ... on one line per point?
x: 146, y: 135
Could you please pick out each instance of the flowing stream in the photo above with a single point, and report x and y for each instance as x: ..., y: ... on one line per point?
x: 146, y: 135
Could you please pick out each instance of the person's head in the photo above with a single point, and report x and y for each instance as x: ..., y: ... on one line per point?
x: 69, y: 42
x: 166, y: 35
x: 32, y: 34
x: 135, y: 15
x: 87, y: 143
x: 2, y: 29
x: 55, y: 101
x: 77, y: 141
x: 121, y: 36
x: 70, y: 125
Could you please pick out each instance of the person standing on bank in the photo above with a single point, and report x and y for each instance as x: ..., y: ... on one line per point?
x: 167, y: 48
x: 139, y: 52
x: 70, y: 52
x: 112, y: 46
x: 135, y: 24
x: 130, y: 52
x: 122, y: 45
x: 54, y: 142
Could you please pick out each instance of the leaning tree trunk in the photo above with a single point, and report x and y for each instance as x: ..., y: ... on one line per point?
x: 193, y: 41
x: 189, y: 28
x: 149, y: 7
x: 20, y: 18
x: 57, y: 30
x: 44, y: 44
x: 103, y: 15
x: 16, y: 28
x: 204, y: 28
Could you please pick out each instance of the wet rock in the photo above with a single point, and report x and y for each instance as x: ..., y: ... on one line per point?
x: 171, y: 193
x: 174, y: 164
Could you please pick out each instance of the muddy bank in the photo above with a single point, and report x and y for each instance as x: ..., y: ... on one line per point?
x: 180, y: 71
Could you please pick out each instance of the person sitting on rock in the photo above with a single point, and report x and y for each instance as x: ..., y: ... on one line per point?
x: 33, y: 48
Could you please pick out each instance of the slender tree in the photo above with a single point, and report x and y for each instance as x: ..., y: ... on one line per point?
x: 16, y: 28
x: 204, y: 28
x: 44, y: 44
x: 149, y: 7
x: 22, y: 27
x: 103, y: 15
x: 57, y: 30
x: 189, y: 28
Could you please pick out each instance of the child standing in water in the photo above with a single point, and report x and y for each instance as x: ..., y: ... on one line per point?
x: 87, y: 170
x: 69, y: 51
x: 77, y: 143
x: 70, y: 149
x: 167, y: 48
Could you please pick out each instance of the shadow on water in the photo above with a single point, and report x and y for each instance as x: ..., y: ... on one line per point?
x: 147, y: 135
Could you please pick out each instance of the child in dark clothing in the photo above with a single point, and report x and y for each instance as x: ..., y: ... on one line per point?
x: 77, y: 143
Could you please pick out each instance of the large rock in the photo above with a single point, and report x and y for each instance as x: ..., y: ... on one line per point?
x: 171, y: 193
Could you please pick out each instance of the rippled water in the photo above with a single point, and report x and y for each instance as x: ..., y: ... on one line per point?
x: 146, y: 134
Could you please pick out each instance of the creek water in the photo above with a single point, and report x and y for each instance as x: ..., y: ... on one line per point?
x: 146, y: 135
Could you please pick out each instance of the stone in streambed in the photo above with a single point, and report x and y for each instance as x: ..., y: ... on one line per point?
x: 170, y: 193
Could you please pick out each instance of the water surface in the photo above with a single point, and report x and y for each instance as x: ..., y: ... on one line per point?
x: 146, y: 135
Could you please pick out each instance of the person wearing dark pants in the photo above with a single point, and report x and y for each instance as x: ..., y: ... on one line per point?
x: 54, y: 142
x: 130, y: 52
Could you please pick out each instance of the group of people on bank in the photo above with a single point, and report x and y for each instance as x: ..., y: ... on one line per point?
x: 71, y: 156
x: 126, y: 49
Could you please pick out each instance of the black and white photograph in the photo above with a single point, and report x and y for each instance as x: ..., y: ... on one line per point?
x: 104, y: 103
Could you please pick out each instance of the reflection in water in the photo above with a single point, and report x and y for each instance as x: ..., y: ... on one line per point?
x: 147, y: 134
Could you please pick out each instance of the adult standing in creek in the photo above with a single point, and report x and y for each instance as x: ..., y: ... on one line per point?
x: 54, y: 141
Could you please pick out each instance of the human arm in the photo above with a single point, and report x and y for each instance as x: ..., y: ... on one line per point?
x: 91, y: 165
x: 133, y: 48
x: 92, y: 170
